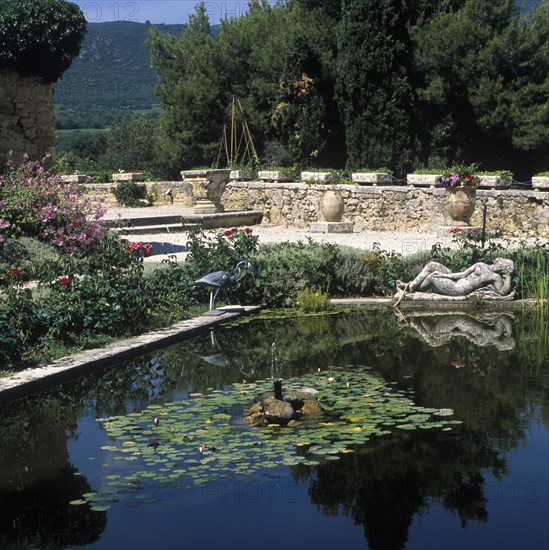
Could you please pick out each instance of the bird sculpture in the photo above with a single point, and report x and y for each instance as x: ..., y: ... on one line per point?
x: 219, y: 280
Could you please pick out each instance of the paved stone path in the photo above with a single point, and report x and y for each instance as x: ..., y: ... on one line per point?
x: 174, y: 244
x: 40, y: 378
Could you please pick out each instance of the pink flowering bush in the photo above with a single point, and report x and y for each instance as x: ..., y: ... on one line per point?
x: 37, y: 203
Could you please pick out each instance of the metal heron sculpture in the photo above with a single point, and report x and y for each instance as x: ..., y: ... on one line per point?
x: 219, y: 280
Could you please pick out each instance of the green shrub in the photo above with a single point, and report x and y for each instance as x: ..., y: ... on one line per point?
x: 130, y: 193
x: 33, y: 258
x: 500, y: 173
x: 20, y: 327
x: 40, y: 37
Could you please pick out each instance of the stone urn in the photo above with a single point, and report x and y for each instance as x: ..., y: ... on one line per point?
x: 207, y: 188
x: 332, y: 206
x: 460, y: 203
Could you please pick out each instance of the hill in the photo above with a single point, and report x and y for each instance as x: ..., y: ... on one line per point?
x: 112, y: 77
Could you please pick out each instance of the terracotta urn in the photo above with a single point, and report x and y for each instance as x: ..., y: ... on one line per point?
x: 332, y: 206
x: 460, y: 203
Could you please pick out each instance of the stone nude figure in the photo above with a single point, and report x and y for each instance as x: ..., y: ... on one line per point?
x: 437, y: 282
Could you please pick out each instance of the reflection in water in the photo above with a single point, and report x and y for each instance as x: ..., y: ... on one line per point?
x: 37, y: 481
x: 221, y: 356
x: 384, y: 486
x: 482, y: 329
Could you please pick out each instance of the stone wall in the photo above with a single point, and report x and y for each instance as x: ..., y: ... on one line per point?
x: 26, y: 117
x: 391, y: 208
x: 180, y: 191
x: 514, y: 213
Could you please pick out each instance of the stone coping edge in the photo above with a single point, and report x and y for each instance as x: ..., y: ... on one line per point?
x: 437, y: 304
x: 29, y: 381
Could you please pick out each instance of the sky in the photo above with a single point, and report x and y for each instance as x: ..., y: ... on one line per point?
x: 158, y: 11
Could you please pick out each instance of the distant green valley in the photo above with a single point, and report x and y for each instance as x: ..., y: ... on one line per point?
x: 111, y: 80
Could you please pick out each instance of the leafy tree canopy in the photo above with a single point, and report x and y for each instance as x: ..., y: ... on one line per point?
x: 40, y: 37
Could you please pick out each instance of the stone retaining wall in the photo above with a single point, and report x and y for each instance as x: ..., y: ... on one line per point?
x: 391, y: 208
x: 513, y: 213
x: 26, y: 117
x: 180, y: 191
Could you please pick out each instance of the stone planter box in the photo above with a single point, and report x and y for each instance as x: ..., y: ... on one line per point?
x: 274, y: 175
x: 540, y: 182
x: 319, y: 176
x: 128, y: 176
x: 74, y: 178
x: 424, y: 180
x: 241, y: 175
x: 496, y: 181
x: 371, y: 178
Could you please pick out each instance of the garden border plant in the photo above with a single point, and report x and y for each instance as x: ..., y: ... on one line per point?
x: 94, y: 292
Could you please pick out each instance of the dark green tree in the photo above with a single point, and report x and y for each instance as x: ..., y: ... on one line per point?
x: 253, y: 50
x: 300, y: 115
x: 191, y: 120
x: 483, y: 83
x: 132, y: 145
x: 40, y: 37
x: 374, y: 85
x: 264, y: 69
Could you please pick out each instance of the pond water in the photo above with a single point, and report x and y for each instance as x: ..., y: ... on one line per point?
x: 434, y: 435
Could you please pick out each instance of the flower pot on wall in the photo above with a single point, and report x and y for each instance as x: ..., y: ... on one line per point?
x: 332, y: 206
x: 460, y: 203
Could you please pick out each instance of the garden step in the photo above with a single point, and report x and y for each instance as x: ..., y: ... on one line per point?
x: 157, y: 228
x: 145, y: 221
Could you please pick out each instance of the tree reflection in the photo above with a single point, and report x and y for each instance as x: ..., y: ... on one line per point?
x: 382, y: 486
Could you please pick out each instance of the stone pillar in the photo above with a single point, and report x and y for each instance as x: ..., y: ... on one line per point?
x: 26, y: 117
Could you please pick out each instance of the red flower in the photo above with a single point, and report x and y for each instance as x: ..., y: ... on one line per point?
x: 65, y: 281
x: 227, y: 233
x: 248, y: 230
x: 147, y: 249
x: 234, y: 230
x: 14, y: 272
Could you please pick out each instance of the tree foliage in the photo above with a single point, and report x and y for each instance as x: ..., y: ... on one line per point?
x: 188, y: 92
x: 483, y: 81
x: 374, y: 88
x: 40, y: 37
x: 361, y: 83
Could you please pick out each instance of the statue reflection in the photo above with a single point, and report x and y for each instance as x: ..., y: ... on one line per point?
x: 221, y: 356
x: 482, y: 329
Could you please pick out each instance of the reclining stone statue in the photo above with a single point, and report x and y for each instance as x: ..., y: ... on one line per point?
x: 481, y: 280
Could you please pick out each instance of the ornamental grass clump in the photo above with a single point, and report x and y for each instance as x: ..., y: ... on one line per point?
x: 312, y: 300
x: 37, y: 203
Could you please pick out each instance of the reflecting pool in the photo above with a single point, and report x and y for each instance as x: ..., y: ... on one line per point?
x: 434, y: 434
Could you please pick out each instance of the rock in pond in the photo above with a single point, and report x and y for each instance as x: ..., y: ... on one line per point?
x: 294, y: 406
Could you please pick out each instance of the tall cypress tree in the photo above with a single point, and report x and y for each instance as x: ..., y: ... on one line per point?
x: 192, y: 116
x: 374, y: 90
